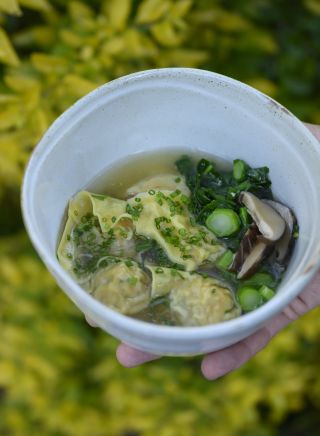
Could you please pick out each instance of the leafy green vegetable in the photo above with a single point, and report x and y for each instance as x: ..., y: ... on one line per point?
x: 213, y: 189
x: 151, y: 252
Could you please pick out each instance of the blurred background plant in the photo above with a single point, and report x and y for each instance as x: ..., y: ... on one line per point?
x: 58, y: 376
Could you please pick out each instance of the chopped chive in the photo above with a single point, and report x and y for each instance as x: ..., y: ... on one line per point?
x: 113, y: 219
x: 184, y: 199
x: 244, y: 216
x: 138, y: 199
x: 225, y: 260
x: 266, y: 293
x: 177, y: 179
x: 259, y: 279
x: 151, y: 192
x: 133, y: 280
x: 159, y: 270
x: 249, y: 298
x: 239, y: 170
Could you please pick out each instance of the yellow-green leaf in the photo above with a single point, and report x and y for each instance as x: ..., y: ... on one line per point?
x: 20, y: 82
x: 114, y: 45
x: 79, y: 10
x: 39, y: 5
x: 31, y: 98
x: 7, y: 53
x: 37, y: 35
x: 264, y: 41
x: 38, y: 123
x: 71, y: 38
x: 231, y: 22
x: 10, y: 7
x: 49, y: 63
x: 11, y: 116
x: 313, y: 6
x: 180, y: 8
x: 118, y: 12
x: 166, y: 34
x: 152, y: 10
x: 138, y: 45
x: 78, y: 86
x: 182, y: 58
x: 8, y: 98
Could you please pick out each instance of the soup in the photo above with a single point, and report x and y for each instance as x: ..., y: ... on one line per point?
x: 179, y: 240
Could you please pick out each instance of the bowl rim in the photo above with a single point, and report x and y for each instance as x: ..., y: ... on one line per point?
x: 47, y: 143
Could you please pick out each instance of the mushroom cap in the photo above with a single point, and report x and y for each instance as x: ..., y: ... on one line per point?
x: 253, y: 260
x: 282, y: 247
x: 283, y: 211
x: 246, y: 245
x: 269, y: 222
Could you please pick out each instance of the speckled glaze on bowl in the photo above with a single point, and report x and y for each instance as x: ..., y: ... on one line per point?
x: 176, y: 107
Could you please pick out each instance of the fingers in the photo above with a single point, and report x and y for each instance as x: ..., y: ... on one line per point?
x: 130, y: 357
x: 219, y: 363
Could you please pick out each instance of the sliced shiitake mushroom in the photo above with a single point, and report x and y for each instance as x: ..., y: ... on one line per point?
x: 269, y: 222
x: 259, y: 251
x: 282, y: 247
x: 246, y: 245
x: 272, y: 228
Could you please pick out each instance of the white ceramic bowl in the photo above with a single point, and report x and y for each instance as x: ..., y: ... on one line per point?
x: 176, y: 107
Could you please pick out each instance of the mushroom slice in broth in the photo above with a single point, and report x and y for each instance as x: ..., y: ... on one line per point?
x: 283, y: 245
x: 268, y: 220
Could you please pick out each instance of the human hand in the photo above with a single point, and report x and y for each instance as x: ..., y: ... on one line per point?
x: 219, y: 363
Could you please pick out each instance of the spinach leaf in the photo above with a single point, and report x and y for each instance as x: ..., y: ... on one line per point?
x: 211, y: 189
x: 187, y: 168
x: 151, y: 252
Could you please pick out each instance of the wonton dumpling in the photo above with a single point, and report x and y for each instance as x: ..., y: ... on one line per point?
x: 166, y: 182
x: 184, y: 245
x: 194, y: 300
x: 111, y: 213
x: 122, y: 286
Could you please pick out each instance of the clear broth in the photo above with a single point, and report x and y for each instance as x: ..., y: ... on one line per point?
x: 117, y: 178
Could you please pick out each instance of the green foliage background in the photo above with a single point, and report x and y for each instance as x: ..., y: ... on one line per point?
x: 58, y: 376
